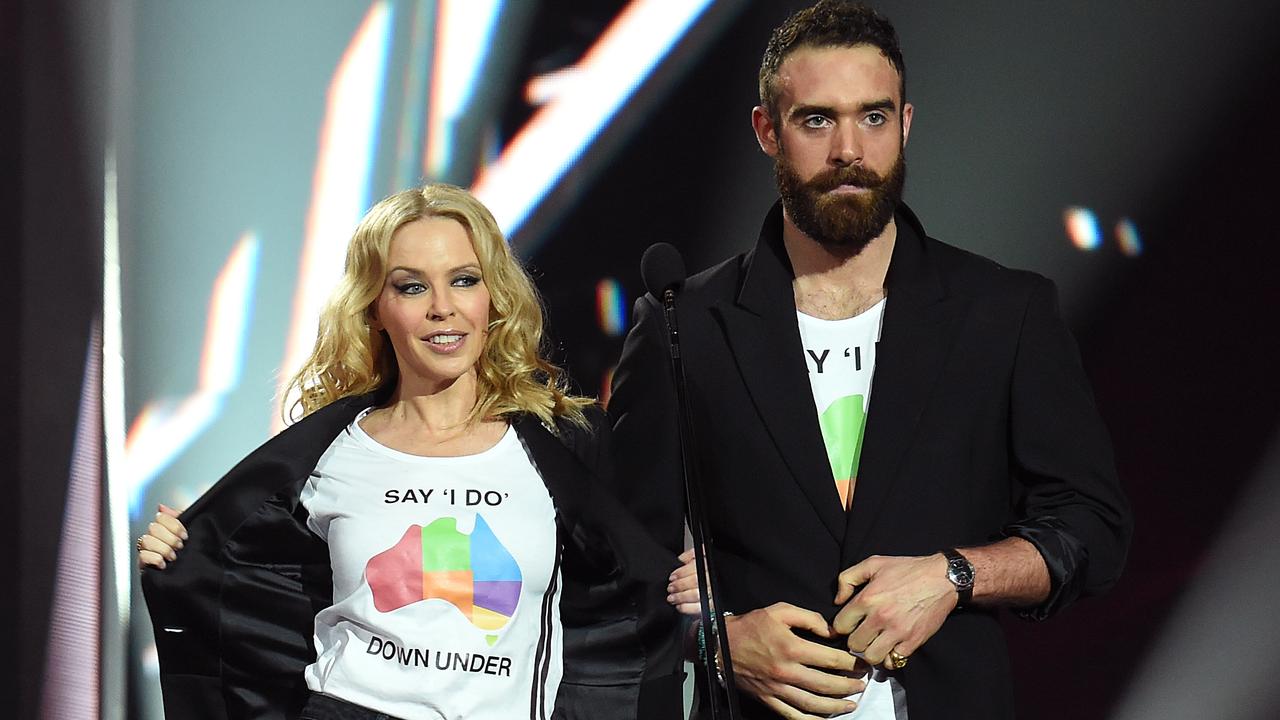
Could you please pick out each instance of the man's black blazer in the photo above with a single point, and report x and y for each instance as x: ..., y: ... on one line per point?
x: 981, y: 425
x: 234, y: 616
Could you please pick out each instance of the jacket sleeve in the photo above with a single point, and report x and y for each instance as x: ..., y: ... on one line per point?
x: 646, y: 436
x: 615, y: 612
x: 1073, y: 508
x: 234, y: 616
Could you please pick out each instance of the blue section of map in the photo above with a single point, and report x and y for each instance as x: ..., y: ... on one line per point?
x: 489, y: 559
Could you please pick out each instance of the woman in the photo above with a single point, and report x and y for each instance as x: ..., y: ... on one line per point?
x: 435, y: 521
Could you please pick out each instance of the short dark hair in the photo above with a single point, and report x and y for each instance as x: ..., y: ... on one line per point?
x: 828, y: 23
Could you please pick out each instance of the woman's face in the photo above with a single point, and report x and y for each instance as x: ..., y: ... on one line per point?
x: 434, y: 305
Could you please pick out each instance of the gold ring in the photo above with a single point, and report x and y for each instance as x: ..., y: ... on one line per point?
x: 895, y: 661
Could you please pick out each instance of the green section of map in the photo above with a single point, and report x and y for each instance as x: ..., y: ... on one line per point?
x: 444, y: 548
x: 842, y: 425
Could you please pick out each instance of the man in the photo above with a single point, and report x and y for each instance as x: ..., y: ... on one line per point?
x: 981, y: 477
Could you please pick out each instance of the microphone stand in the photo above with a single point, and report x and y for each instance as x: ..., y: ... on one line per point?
x: 712, y: 614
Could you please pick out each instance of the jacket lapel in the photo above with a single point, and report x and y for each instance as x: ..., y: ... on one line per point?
x: 918, y: 331
x: 765, y: 341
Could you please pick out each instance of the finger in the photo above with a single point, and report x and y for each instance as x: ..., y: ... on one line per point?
x: 682, y: 598
x: 151, y: 543
x: 865, y: 634
x: 683, y: 584
x: 147, y: 558
x: 686, y: 556
x: 166, y: 510
x: 685, y: 573
x: 693, y: 609
x: 688, y: 569
x: 908, y: 645
x: 172, y: 524
x: 829, y: 684
x: 878, y: 650
x: 162, y: 533
x: 849, y: 618
x: 785, y: 711
x: 685, y: 596
x: 820, y: 705
x: 177, y: 534
x: 853, y: 577
x: 819, y: 658
x: 796, y: 617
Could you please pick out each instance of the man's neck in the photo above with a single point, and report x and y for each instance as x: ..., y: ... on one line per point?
x: 832, y: 285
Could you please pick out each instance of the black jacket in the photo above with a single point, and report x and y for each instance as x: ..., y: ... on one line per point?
x: 235, y: 615
x: 981, y: 425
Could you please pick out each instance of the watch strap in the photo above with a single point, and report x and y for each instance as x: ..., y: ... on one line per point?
x: 958, y: 570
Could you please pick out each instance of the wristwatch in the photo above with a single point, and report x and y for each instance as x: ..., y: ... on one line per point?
x: 960, y: 573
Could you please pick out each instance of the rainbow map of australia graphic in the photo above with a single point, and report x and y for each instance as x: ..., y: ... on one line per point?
x: 475, y: 573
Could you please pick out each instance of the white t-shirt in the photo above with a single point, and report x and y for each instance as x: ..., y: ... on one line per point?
x: 446, y: 581
x: 841, y: 356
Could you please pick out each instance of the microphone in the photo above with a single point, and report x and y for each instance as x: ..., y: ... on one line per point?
x: 663, y: 271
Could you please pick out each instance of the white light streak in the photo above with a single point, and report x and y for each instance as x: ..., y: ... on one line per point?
x: 464, y: 33
x: 556, y: 136
x: 340, y: 188
x: 167, y: 426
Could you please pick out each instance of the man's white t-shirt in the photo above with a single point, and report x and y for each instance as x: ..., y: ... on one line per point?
x: 446, y: 581
x: 841, y: 357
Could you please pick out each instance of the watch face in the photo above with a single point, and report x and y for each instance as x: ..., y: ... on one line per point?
x: 960, y: 572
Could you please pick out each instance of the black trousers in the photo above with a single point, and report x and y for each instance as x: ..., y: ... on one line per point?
x: 324, y: 707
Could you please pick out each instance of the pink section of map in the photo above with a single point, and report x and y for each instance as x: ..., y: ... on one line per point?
x: 395, y: 575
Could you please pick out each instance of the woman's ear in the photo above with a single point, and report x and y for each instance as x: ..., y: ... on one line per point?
x: 371, y: 318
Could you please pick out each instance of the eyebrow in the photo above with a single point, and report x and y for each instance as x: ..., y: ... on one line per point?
x: 804, y: 110
x: 416, y: 271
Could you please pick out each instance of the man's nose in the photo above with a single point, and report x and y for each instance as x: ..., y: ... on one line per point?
x: 846, y: 146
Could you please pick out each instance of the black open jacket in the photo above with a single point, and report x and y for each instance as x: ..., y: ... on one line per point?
x: 982, y: 426
x: 234, y: 617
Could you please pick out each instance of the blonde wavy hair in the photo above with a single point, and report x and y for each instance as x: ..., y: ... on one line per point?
x: 352, y: 358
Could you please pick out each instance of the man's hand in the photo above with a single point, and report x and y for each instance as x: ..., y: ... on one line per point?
x: 902, y: 603
x: 792, y: 676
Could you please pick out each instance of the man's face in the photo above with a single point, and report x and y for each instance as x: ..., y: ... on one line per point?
x: 837, y: 143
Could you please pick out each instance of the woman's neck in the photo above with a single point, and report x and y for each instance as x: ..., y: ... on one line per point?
x: 439, y: 408
x: 436, y: 423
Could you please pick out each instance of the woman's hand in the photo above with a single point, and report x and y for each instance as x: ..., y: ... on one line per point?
x: 163, y: 540
x: 682, y: 588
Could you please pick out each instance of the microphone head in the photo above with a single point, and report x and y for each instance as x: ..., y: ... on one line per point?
x: 662, y: 268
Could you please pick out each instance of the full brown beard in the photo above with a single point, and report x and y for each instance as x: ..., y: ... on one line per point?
x: 845, y: 222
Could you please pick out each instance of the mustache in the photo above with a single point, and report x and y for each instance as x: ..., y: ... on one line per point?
x: 856, y: 175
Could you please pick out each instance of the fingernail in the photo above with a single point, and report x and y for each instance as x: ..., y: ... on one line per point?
x: 671, y: 598
x: 162, y: 564
x: 671, y: 588
x: 184, y: 535
x: 180, y: 545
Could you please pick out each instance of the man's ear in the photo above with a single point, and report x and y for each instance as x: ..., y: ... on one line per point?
x: 766, y: 131
x: 908, y: 111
